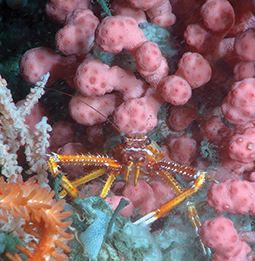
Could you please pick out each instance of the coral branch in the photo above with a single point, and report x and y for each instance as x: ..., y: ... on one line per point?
x: 43, y: 218
x: 15, y: 132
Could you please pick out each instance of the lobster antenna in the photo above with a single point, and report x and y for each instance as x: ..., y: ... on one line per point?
x: 154, y: 131
x: 72, y: 96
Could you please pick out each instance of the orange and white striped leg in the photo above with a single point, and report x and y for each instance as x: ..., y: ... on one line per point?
x: 88, y: 160
x: 78, y: 182
x: 154, y: 215
x: 85, y: 160
x: 64, y: 182
x: 196, y: 223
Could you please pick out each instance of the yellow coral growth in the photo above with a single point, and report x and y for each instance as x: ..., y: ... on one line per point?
x: 43, y: 217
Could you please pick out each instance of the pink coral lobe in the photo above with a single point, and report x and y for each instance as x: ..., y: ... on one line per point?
x: 221, y: 236
x: 233, y: 196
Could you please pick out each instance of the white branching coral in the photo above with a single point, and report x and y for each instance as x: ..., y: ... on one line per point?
x: 14, y: 133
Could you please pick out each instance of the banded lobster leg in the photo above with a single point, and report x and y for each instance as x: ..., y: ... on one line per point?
x: 69, y: 187
x: 159, y: 212
x: 167, y: 171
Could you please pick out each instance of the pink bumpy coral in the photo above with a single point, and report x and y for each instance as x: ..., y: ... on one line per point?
x: 181, y: 116
x: 219, y: 18
x: 221, y: 236
x: 122, y: 32
x: 58, y: 10
x: 148, y: 58
x: 242, y: 146
x: 239, y: 105
x: 218, y: 15
x: 175, y: 90
x: 38, y: 61
x: 213, y: 129
x: 123, y: 8
x: 182, y: 149
x: 243, y: 70
x: 62, y: 133
x: 150, y: 63
x: 159, y: 11
x: 195, y: 69
x: 141, y: 196
x: 77, y: 36
x: 116, y: 33
x: 148, y: 196
x: 89, y: 111
x: 233, y: 196
x: 244, y: 45
x: 198, y: 37
x: 94, y: 78
x: 138, y: 115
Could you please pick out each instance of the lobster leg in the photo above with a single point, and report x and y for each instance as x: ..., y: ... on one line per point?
x: 108, y: 183
x: 129, y: 166
x: 192, y: 212
x: 171, y: 181
x: 137, y: 172
x: 76, y: 183
x: 65, y: 183
x: 157, y: 213
x: 85, y: 160
x: 196, y: 223
x: 182, y: 195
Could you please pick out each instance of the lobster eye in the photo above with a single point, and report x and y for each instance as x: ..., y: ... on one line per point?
x: 147, y: 141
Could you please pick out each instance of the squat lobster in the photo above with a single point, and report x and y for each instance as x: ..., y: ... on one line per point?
x: 135, y: 156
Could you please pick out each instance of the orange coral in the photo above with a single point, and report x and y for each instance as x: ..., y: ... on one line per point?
x: 43, y: 219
